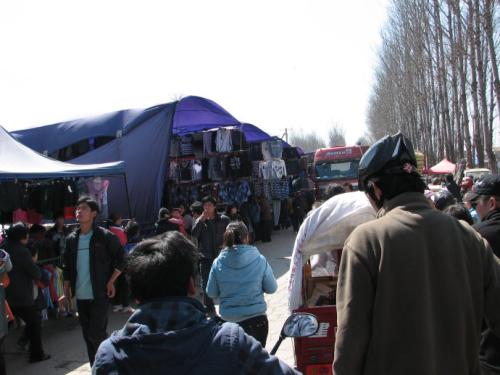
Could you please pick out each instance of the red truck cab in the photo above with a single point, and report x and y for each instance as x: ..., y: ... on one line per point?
x: 336, y: 165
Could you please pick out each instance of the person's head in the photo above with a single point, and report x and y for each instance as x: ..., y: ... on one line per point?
x: 389, y: 168
x: 163, y: 213
x: 37, y: 232
x: 176, y: 213
x: 132, y: 229
x: 115, y: 219
x: 196, y: 209
x: 449, y: 177
x: 486, y: 196
x: 162, y: 267
x: 87, y: 210
x: 333, y: 190
x: 443, y: 199
x: 18, y: 233
x: 236, y: 234
x: 459, y: 212
x: 209, y: 204
x: 231, y: 209
x: 348, y: 187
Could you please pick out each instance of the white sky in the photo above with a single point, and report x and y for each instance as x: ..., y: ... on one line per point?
x: 274, y: 63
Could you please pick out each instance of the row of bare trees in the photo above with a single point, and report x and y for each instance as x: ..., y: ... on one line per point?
x: 437, y: 79
x: 310, y: 142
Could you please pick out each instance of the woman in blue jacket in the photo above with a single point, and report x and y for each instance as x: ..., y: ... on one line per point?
x: 239, y: 277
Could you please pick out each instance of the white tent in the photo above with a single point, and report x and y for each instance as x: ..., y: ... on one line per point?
x: 19, y: 161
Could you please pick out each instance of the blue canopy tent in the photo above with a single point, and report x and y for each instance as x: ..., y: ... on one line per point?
x: 141, y: 138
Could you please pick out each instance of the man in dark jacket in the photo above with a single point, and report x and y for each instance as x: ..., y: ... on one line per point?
x: 486, y: 198
x: 93, y: 262
x: 208, y: 230
x: 406, y: 302
x: 169, y: 332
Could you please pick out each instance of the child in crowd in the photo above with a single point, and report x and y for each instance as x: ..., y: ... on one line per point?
x: 239, y: 277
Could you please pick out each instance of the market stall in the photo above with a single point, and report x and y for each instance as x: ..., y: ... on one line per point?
x: 33, y: 186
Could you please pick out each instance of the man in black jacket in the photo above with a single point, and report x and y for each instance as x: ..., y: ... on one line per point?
x: 93, y: 262
x: 208, y: 230
x: 486, y: 198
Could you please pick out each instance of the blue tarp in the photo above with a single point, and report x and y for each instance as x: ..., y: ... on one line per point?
x: 142, y: 141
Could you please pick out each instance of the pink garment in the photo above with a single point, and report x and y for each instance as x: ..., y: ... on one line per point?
x: 19, y: 215
x: 180, y: 223
x: 120, y: 234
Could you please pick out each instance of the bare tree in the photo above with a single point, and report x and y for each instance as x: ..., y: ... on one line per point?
x: 336, y: 136
x: 309, y: 142
x: 437, y: 61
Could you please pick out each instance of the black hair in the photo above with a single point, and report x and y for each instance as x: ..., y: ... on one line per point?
x: 392, y: 185
x: 94, y: 207
x: 449, y: 177
x: 37, y: 228
x: 131, y: 229
x: 333, y: 190
x: 161, y: 267
x: 460, y: 212
x: 163, y: 213
x: 209, y: 199
x: 197, y: 208
x: 113, y: 217
x: 235, y: 233
x: 17, y: 232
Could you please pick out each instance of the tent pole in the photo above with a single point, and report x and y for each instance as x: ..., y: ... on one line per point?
x: 128, y: 196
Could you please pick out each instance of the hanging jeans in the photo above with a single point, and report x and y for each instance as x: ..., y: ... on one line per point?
x: 276, y: 212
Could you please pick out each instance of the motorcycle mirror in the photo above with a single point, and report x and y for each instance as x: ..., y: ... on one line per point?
x: 297, y: 325
x: 300, y: 325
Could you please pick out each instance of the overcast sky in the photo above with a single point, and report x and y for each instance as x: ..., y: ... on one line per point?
x: 274, y: 63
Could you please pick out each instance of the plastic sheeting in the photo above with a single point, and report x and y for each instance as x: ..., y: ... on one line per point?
x: 19, y: 161
x: 325, y: 229
x: 145, y: 152
x: 142, y: 140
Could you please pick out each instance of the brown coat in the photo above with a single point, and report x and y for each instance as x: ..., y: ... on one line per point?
x: 413, y: 288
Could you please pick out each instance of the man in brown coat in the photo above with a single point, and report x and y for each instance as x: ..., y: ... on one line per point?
x: 414, y: 285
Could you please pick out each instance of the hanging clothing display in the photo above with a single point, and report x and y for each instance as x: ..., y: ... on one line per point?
x: 223, y: 140
x: 207, y: 142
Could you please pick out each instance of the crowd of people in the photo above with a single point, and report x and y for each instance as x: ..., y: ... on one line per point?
x: 418, y: 291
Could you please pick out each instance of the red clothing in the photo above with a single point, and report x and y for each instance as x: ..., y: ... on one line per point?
x: 120, y: 234
x: 180, y: 223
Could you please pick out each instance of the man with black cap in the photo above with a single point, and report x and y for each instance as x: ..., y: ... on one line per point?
x: 486, y: 198
x: 414, y: 285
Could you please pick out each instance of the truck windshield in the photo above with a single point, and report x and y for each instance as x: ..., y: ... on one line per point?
x: 337, y: 170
